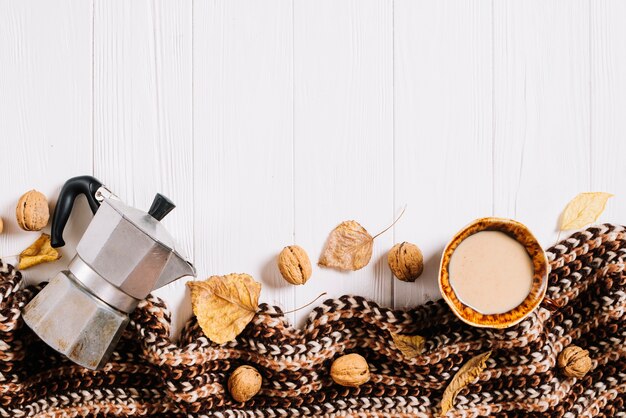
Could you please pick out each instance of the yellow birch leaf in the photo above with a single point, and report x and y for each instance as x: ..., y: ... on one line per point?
x: 39, y: 252
x: 410, y: 345
x: 224, y: 305
x: 583, y: 210
x: 349, y: 247
x: 468, y: 372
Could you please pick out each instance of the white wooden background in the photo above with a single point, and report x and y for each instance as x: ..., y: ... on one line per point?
x: 269, y: 122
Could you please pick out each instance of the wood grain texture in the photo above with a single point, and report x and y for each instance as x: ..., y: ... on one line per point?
x: 142, y: 113
x: 541, y: 109
x: 243, y: 129
x: 343, y: 137
x: 443, y: 128
x: 608, y: 104
x: 270, y: 122
x: 45, y: 113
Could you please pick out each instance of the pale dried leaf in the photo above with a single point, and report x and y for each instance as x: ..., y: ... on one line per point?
x: 410, y: 345
x: 224, y: 305
x: 349, y: 247
x: 39, y: 252
x: 468, y: 372
x: 583, y: 210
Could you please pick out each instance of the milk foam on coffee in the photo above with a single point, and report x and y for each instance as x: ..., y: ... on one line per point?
x: 490, y: 272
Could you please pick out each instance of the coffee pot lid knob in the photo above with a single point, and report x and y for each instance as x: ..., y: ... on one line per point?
x: 160, y: 207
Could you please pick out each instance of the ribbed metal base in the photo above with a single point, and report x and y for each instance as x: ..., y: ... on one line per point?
x: 74, y: 322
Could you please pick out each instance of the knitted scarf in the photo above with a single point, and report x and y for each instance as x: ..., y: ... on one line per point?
x: 148, y: 375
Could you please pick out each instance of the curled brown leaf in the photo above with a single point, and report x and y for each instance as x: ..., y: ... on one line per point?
x: 349, y: 247
x: 39, y: 252
x: 410, y: 345
x: 468, y: 372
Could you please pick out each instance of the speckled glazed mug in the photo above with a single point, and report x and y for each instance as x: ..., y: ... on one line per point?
x: 539, y: 284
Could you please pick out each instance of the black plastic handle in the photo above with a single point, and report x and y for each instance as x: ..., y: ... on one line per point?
x: 86, y: 185
x: 160, y: 207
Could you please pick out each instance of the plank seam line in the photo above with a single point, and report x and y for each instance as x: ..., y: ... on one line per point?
x: 93, y: 87
x: 193, y: 140
x: 393, y: 136
x: 590, y: 57
x: 493, y: 110
x: 294, y: 296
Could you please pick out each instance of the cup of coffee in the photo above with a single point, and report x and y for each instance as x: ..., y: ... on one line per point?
x: 493, y: 273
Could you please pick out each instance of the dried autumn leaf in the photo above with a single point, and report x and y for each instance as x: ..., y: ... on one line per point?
x: 583, y: 210
x: 39, y: 252
x: 468, y: 372
x: 410, y: 345
x: 224, y: 305
x: 349, y: 247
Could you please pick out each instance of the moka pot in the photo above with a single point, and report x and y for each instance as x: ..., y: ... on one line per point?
x: 124, y: 254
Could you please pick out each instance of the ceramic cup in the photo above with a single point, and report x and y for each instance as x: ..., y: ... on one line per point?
x: 539, y: 284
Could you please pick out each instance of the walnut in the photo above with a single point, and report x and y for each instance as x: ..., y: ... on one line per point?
x: 244, y: 383
x: 574, y: 361
x: 294, y: 265
x: 350, y: 370
x: 32, y: 211
x: 406, y: 261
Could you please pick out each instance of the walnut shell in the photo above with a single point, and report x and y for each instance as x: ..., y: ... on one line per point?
x: 406, y: 261
x: 244, y: 383
x: 294, y: 264
x: 574, y: 361
x: 32, y: 212
x: 350, y: 370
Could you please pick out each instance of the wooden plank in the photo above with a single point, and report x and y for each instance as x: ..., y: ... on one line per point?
x: 142, y: 113
x: 45, y: 113
x: 608, y: 105
x: 343, y: 133
x: 443, y: 128
x: 541, y: 108
x: 243, y: 140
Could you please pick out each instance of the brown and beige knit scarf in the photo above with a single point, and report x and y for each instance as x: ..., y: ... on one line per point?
x: 150, y: 376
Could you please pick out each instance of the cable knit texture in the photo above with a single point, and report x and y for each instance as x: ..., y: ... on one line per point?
x: 148, y: 375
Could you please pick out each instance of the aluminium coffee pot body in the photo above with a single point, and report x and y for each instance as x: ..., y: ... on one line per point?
x: 124, y: 254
